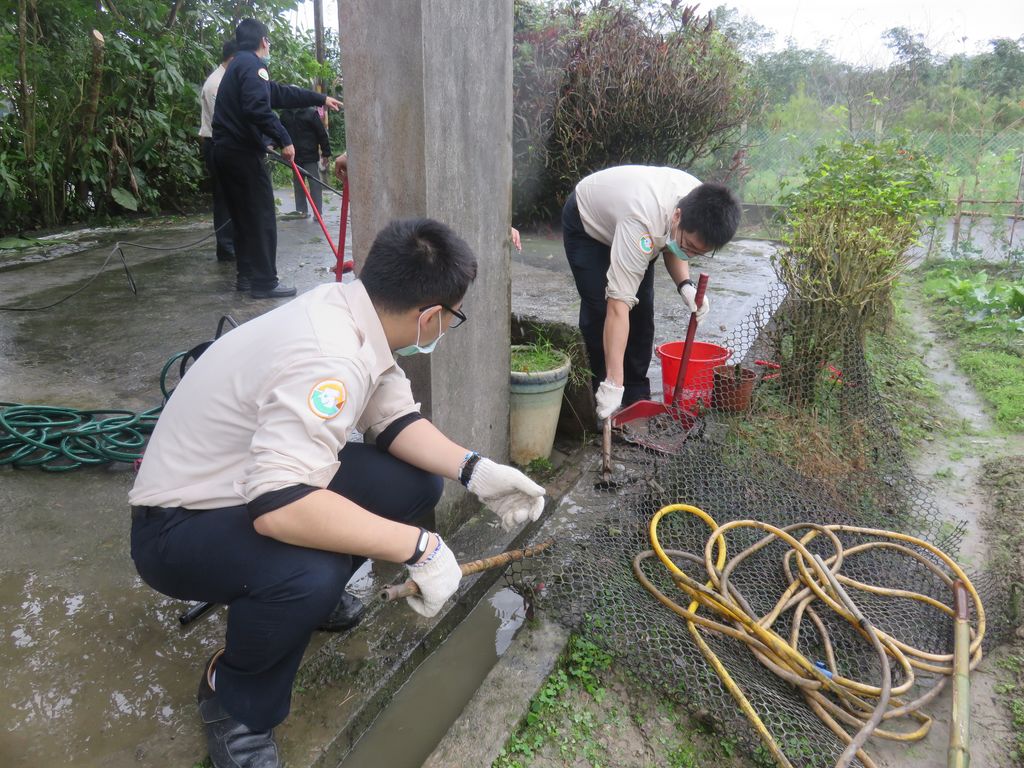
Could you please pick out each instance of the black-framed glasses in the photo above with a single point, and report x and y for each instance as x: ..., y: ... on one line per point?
x: 692, y: 252
x: 460, y: 317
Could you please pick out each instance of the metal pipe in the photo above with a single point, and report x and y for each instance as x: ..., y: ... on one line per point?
x: 410, y: 588
x: 197, y: 611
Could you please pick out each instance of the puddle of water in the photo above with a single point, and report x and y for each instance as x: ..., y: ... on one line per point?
x: 422, y: 711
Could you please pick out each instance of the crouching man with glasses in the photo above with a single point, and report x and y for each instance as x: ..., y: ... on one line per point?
x: 250, y: 494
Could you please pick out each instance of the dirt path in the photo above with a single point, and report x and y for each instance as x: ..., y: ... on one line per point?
x: 952, y: 465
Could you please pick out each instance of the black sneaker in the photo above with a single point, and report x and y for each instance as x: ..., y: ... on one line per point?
x: 230, y: 743
x: 346, y: 614
x: 243, y: 284
x: 277, y: 292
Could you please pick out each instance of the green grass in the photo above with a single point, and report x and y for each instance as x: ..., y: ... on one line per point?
x: 999, y: 378
x: 533, y: 358
x: 1011, y: 693
x: 988, y: 345
x: 586, y: 713
x: 552, y: 717
x: 904, y: 383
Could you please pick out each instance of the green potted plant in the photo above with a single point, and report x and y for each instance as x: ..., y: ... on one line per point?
x: 733, y: 388
x: 539, y: 373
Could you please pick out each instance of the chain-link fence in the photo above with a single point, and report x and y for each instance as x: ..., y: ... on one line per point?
x: 813, y: 454
x: 982, y: 173
x: 985, y: 166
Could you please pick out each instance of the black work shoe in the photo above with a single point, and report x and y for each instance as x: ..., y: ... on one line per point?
x: 223, y: 256
x: 346, y: 614
x: 277, y: 292
x: 232, y: 744
x: 243, y: 284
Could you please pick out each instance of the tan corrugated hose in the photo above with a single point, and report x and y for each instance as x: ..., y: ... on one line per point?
x: 840, y: 702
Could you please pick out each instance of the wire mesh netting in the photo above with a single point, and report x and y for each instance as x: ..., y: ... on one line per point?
x: 987, y: 163
x: 814, y: 445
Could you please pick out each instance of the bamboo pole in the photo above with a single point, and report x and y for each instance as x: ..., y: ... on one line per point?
x: 959, y: 755
x: 92, y: 102
x: 956, y: 219
x: 410, y: 588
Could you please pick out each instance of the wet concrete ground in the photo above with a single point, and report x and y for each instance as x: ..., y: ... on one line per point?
x: 96, y: 670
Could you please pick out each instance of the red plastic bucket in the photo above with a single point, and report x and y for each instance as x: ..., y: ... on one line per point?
x: 699, y: 379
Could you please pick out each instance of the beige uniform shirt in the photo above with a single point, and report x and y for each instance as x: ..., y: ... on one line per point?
x: 208, y: 99
x: 630, y: 207
x: 271, y: 403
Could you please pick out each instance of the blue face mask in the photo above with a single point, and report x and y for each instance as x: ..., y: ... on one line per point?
x: 675, y: 250
x: 426, y: 349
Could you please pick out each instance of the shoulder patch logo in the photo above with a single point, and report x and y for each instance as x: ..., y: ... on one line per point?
x: 327, y: 398
x: 263, y: 73
x: 646, y: 244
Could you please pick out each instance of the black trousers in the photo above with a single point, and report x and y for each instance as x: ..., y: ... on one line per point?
x: 221, y: 218
x: 249, y: 195
x: 589, y: 260
x: 277, y: 593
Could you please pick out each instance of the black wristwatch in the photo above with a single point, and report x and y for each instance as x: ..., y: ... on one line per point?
x: 467, y: 469
x: 421, y: 546
x: 687, y: 281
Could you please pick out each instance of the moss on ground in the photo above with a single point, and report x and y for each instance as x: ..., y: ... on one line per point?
x: 590, y: 711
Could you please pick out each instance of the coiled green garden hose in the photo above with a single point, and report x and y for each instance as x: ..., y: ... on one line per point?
x: 57, y: 439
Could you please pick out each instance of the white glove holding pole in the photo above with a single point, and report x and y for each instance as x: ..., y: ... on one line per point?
x: 437, y: 578
x: 609, y: 398
x: 689, y: 293
x: 507, y: 492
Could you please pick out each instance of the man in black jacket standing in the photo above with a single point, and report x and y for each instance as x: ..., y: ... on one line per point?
x: 244, y: 123
x: 311, y: 141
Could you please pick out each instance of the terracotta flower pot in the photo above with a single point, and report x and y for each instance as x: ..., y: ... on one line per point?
x: 733, y: 388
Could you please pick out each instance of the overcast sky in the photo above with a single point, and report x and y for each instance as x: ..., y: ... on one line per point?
x: 852, y: 28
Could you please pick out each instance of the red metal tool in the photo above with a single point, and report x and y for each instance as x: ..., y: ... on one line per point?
x: 668, y: 424
x: 341, y: 266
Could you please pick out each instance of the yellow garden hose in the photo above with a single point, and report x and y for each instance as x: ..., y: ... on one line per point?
x: 859, y: 705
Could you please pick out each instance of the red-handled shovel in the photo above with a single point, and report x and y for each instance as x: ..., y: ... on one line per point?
x: 668, y: 424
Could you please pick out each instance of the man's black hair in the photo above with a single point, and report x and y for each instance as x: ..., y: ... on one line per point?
x: 712, y: 211
x: 417, y: 263
x: 229, y: 49
x: 249, y: 33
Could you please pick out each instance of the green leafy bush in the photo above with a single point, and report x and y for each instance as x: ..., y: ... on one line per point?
x: 845, y: 232
x: 99, y: 105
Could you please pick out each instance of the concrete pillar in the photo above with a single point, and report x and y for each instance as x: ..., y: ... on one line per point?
x: 428, y: 117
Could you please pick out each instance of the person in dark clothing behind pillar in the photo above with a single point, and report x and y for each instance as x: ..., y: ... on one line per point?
x: 311, y: 140
x: 242, y: 119
x: 207, y: 100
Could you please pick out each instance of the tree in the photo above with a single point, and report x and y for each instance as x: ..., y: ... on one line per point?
x: 104, y: 102
x: 647, y: 83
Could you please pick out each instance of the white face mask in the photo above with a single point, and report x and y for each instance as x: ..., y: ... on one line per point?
x: 426, y: 349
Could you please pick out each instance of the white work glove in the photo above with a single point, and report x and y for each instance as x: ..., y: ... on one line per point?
x: 689, y: 294
x: 507, y: 492
x: 437, y: 579
x: 609, y: 398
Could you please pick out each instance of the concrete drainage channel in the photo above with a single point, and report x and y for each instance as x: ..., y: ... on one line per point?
x: 415, y: 722
x: 403, y: 691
